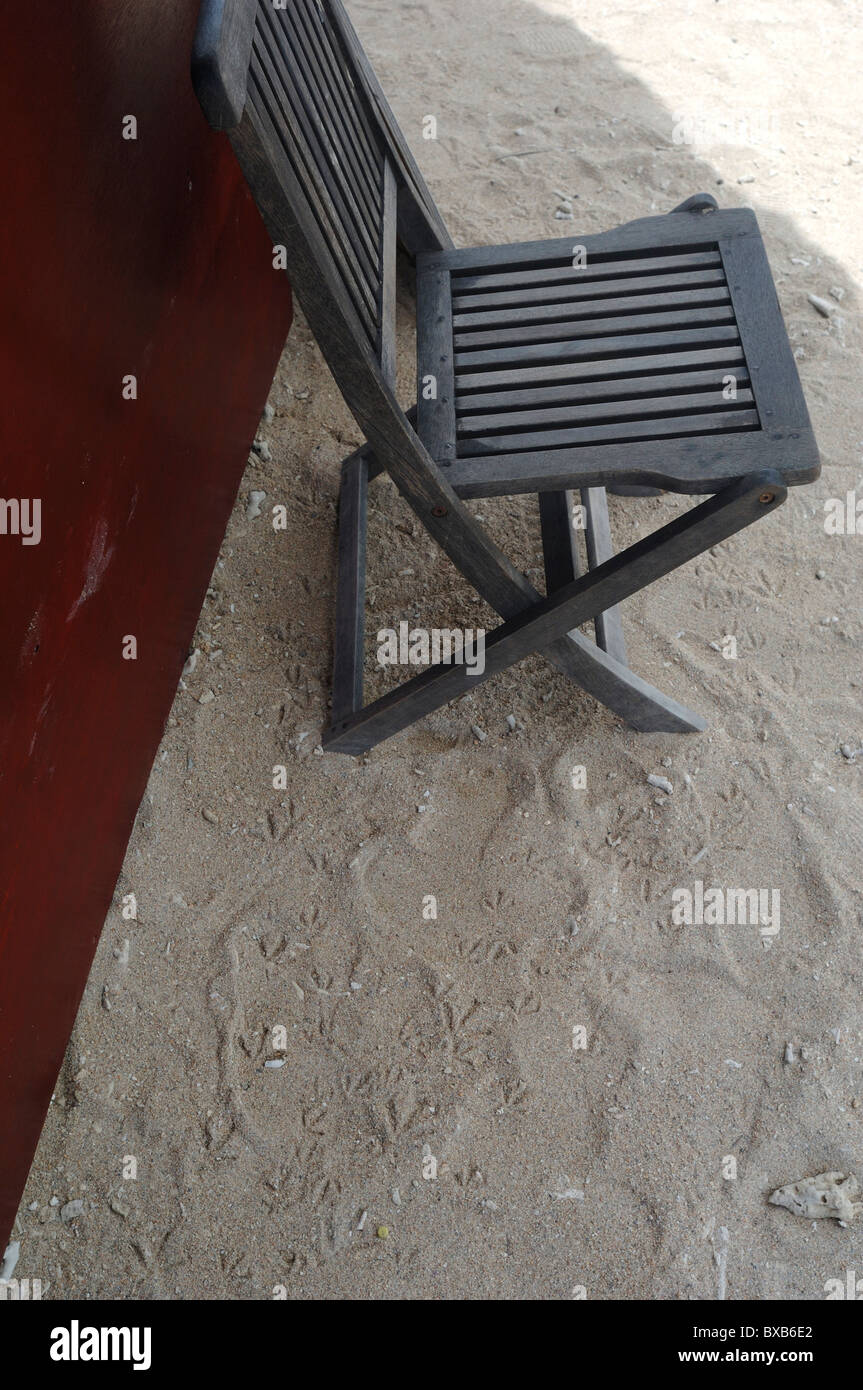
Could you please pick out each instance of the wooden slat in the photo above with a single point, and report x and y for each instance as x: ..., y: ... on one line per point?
x: 579, y: 311
x: 660, y: 428
x: 538, y: 398
x: 420, y: 222
x: 436, y: 418
x: 263, y: 100
x: 575, y: 291
x: 389, y: 271
x: 521, y: 275
x: 680, y: 320
x: 540, y: 354
x: 775, y: 379
x: 334, y: 117
x: 675, y: 234
x: 614, y: 368
x: 608, y: 625
x: 687, y: 464
x: 296, y: 220
x: 339, y: 85
x: 510, y: 422
x: 351, y: 589
x: 317, y: 152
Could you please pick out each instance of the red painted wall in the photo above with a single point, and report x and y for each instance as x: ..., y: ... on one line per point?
x: 117, y: 257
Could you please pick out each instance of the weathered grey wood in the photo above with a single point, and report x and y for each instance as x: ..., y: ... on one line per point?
x: 559, y: 546
x: 436, y: 385
x: 623, y: 575
x: 352, y: 159
x: 574, y: 291
x: 566, y: 274
x: 420, y: 223
x: 703, y: 463
x: 584, y: 310
x: 661, y: 427
x: 608, y: 625
x: 586, y: 347
x: 543, y: 403
x: 360, y: 242
x: 375, y: 466
x: 339, y: 86
x: 351, y: 589
x: 771, y: 363
x: 536, y: 337
x: 563, y: 359
x: 295, y: 169
x: 220, y: 60
x: 627, y: 695
x: 681, y: 233
x: 334, y: 321
x: 591, y: 370
x: 604, y: 676
x: 389, y: 274
x: 644, y: 408
x: 562, y: 560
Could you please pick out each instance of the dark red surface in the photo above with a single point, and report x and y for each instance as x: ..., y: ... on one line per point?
x: 116, y: 257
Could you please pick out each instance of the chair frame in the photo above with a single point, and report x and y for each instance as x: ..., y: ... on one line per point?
x: 232, y: 75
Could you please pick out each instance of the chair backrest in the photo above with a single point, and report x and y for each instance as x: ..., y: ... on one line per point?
x: 326, y: 162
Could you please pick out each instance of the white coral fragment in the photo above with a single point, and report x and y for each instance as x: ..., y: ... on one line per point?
x: 827, y: 1194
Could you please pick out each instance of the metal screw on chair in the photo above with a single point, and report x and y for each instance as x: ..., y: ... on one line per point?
x: 439, y: 511
x: 767, y: 497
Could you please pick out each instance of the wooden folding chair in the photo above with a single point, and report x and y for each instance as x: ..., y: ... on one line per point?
x: 651, y: 356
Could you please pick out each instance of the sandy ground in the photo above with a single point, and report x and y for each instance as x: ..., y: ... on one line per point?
x: 606, y: 1168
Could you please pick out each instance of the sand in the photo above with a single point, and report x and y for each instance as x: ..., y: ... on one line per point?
x: 638, y: 1165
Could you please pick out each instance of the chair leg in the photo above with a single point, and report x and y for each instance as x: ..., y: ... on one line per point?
x: 544, y: 626
x: 509, y: 592
x: 351, y: 590
x: 602, y: 666
x: 617, y: 686
x: 608, y: 626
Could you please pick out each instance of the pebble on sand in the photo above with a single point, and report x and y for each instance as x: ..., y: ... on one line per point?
x: 662, y: 783
x: 256, y: 501
x: 824, y: 307
x: 10, y: 1259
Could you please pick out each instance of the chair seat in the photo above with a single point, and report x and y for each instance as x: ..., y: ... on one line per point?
x: 653, y: 355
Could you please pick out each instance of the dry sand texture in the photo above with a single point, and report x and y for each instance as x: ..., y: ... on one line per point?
x: 558, y: 1168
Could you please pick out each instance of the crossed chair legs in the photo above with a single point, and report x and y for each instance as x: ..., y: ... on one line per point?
x: 545, y: 624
